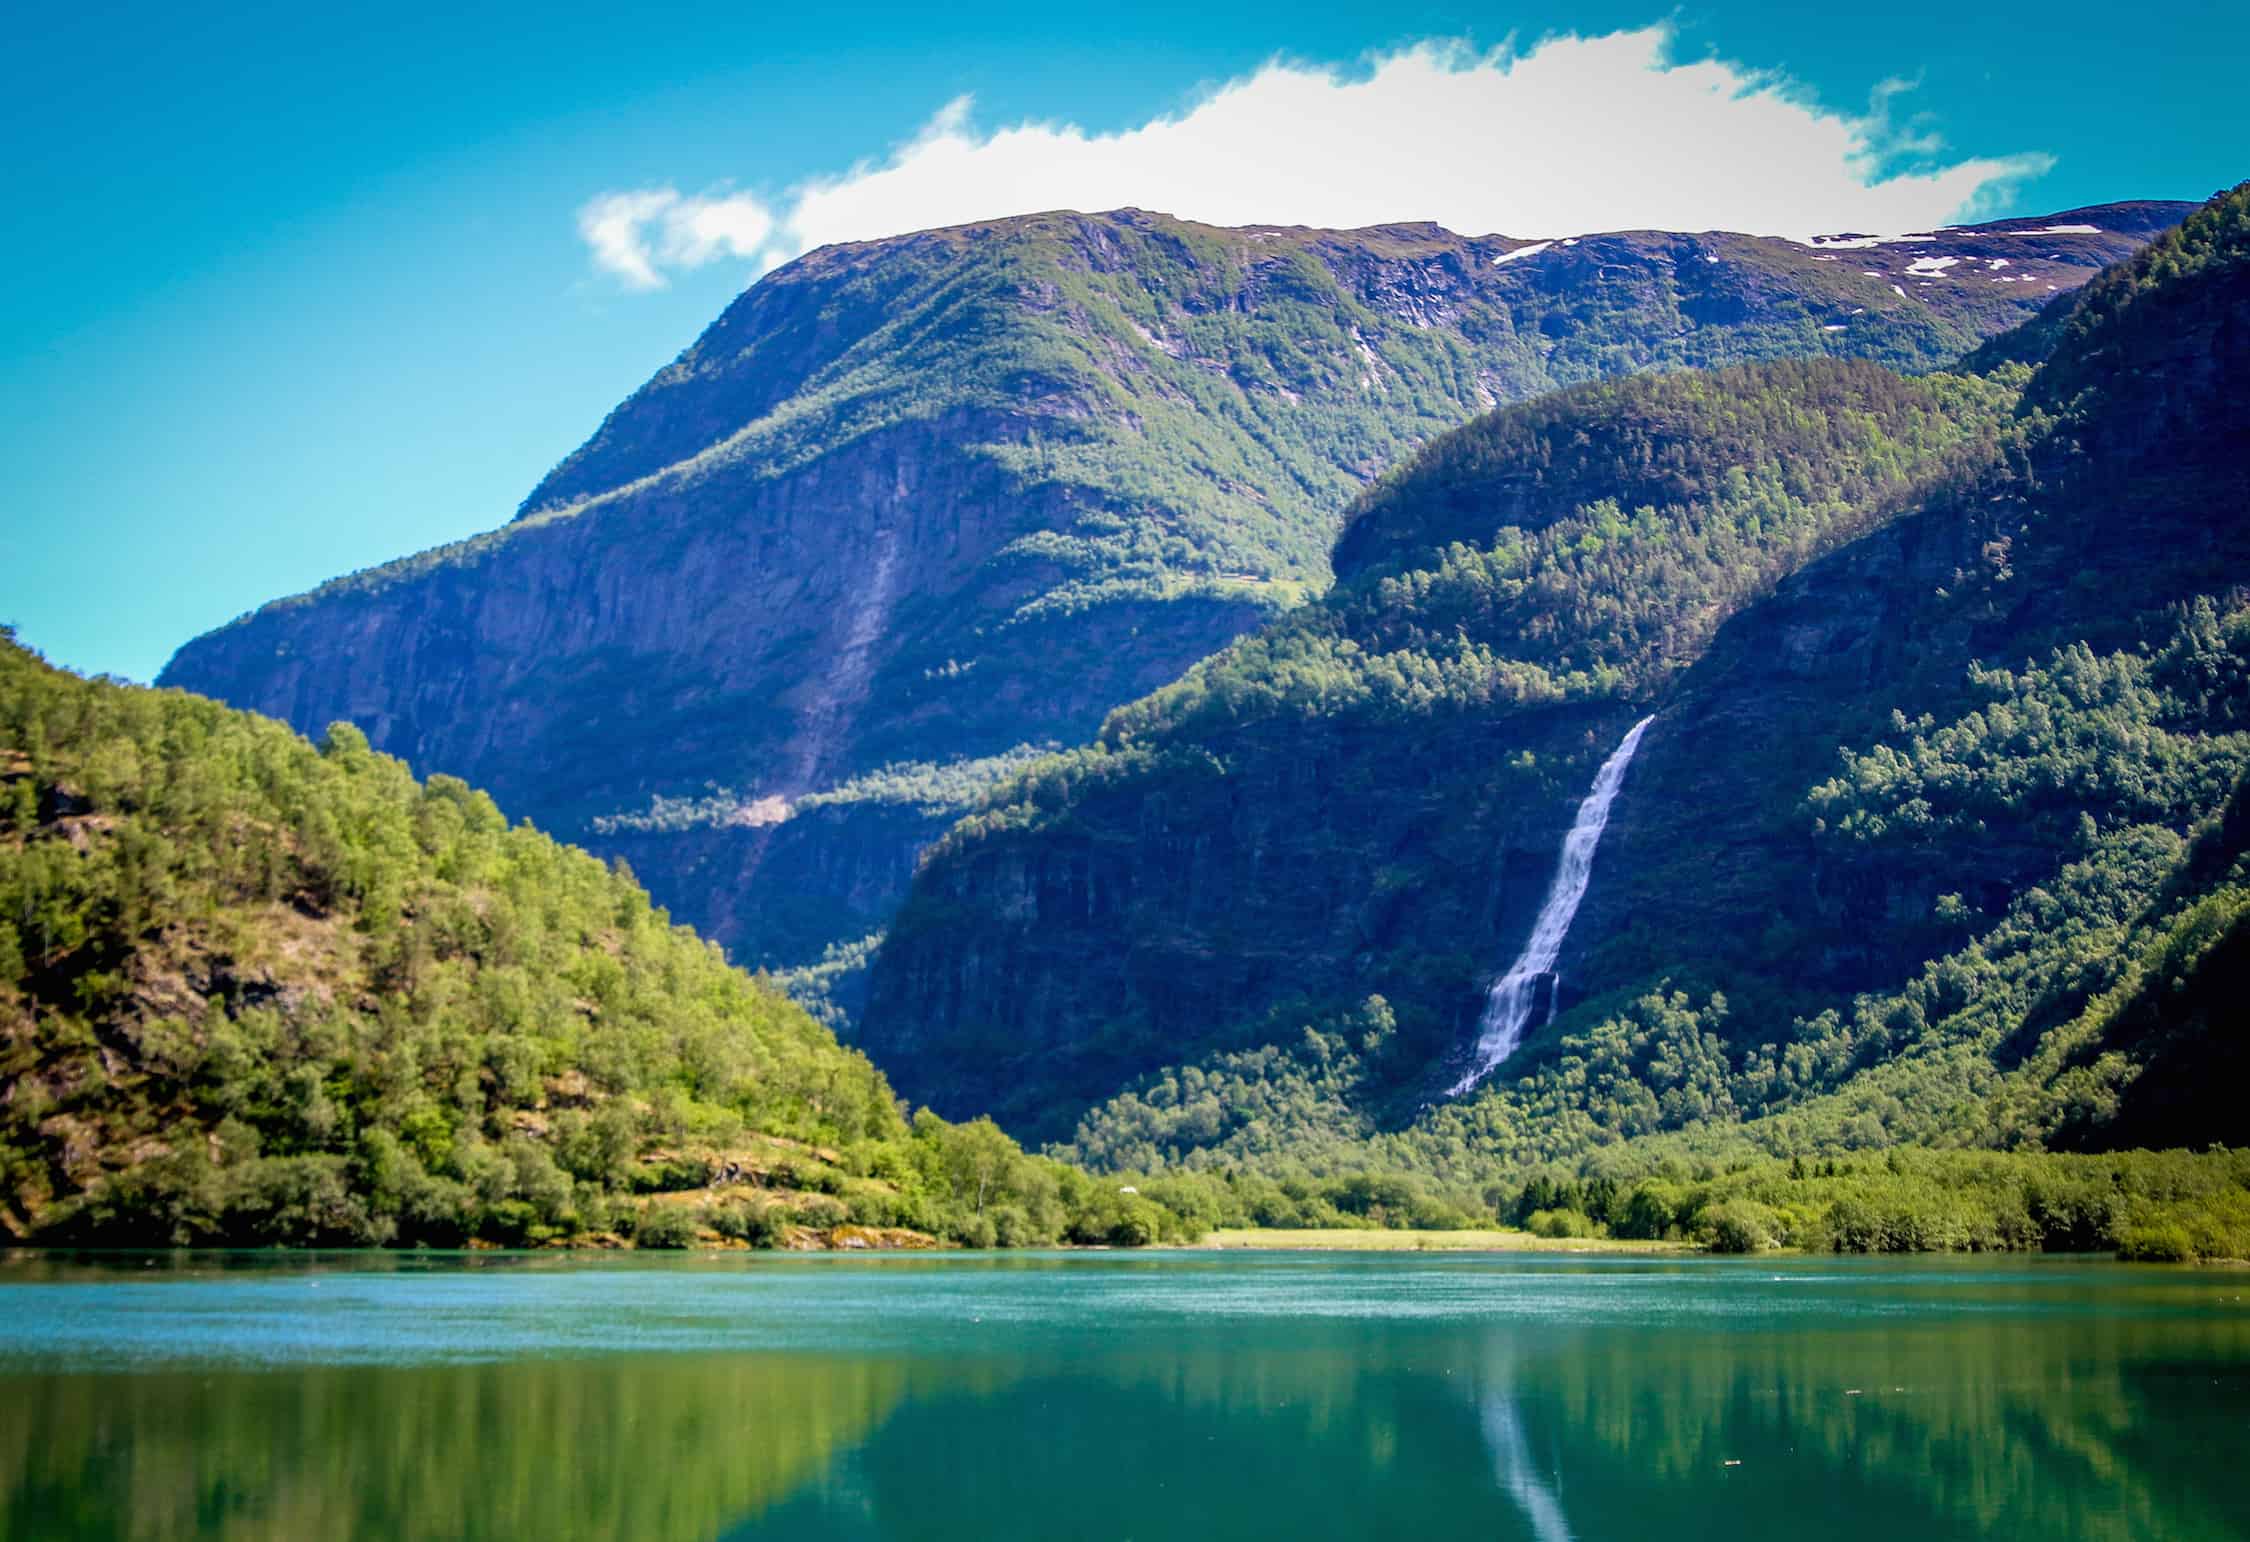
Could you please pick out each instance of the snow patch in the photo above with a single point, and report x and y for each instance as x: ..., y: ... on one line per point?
x: 1926, y: 267
x: 1858, y: 243
x: 1533, y: 250
x: 1898, y: 291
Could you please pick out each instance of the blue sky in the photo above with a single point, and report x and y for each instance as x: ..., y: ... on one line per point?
x: 292, y: 290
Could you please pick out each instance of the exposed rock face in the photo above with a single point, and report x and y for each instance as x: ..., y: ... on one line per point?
x: 927, y: 499
x: 1036, y: 976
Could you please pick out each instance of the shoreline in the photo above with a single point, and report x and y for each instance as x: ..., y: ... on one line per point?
x: 1380, y: 1240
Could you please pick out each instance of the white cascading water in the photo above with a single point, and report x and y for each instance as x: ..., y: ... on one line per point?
x: 1507, y: 1011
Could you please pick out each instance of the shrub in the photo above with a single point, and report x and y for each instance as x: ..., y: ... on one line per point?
x: 665, y: 1226
x: 1012, y: 1227
x: 821, y: 1211
x: 1138, y: 1224
x: 874, y: 1207
x: 1648, y: 1212
x: 1439, y: 1215
x: 1852, y: 1226
x: 758, y: 1221
x: 1741, y: 1226
x: 2165, y: 1244
x: 1560, y: 1223
x: 509, y: 1222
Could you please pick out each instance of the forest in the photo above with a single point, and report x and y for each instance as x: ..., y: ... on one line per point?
x: 255, y: 992
x: 261, y: 993
x: 1952, y: 673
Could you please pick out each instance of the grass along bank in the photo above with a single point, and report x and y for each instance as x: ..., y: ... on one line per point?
x: 1377, y: 1240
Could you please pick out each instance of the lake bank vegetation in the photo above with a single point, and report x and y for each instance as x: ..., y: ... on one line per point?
x: 254, y: 993
x: 258, y: 993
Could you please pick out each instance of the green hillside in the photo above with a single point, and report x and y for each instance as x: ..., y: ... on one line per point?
x: 1923, y: 901
x: 1936, y: 839
x: 1316, y: 814
x: 252, y: 991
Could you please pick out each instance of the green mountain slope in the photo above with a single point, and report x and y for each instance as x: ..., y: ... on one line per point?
x: 1949, y: 690
x: 257, y: 992
x: 912, y: 505
x: 1367, y: 796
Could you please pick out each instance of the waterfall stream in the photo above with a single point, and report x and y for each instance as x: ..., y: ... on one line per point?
x: 1507, y: 1011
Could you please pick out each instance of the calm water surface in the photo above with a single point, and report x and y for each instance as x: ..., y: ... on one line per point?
x: 1120, y: 1396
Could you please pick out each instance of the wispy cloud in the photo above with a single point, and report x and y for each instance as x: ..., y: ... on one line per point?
x: 1573, y: 134
x: 640, y: 234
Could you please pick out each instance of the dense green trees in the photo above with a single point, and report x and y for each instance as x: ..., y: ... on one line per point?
x: 257, y: 992
x: 1997, y: 789
x: 1588, y: 543
x: 2139, y: 1203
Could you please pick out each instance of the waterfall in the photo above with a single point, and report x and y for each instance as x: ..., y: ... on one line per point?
x: 1507, y: 1011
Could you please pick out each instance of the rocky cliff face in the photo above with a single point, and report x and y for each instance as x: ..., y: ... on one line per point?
x: 1286, y: 833
x: 1212, y: 906
x: 916, y: 502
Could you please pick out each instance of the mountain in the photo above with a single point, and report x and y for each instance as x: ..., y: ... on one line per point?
x: 911, y: 510
x: 1936, y: 833
x: 255, y: 992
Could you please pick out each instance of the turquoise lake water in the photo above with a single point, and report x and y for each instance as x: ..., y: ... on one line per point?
x: 1176, y: 1395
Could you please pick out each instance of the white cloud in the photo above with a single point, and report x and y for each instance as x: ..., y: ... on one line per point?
x: 1571, y: 135
x: 611, y: 226
x: 637, y: 235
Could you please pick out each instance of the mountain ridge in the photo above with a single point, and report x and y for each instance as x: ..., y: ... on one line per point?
x: 923, y: 501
